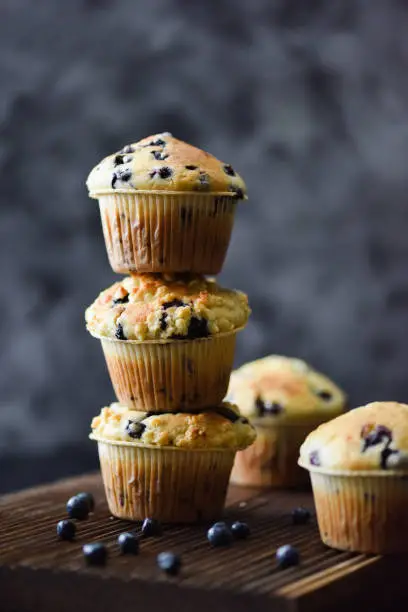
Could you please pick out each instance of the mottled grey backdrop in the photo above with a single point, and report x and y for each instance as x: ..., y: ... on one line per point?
x: 308, y: 100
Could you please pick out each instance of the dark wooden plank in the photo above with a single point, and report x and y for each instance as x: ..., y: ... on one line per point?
x: 35, y: 568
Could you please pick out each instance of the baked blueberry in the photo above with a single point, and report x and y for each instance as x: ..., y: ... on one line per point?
x: 120, y: 175
x: 191, y: 167
x: 287, y: 556
x: 300, y: 516
x: 373, y: 435
x: 229, y: 170
x: 227, y: 413
x: 198, y: 328
x: 266, y: 407
x: 66, y: 530
x: 122, y: 300
x: 240, y: 530
x: 169, y: 562
x: 95, y: 554
x: 165, y: 172
x: 219, y: 535
x: 119, y: 335
x: 157, y: 143
x: 135, y: 429
x: 151, y: 527
x: 314, y: 458
x: 78, y: 508
x: 89, y: 498
x: 159, y: 155
x: 176, y: 302
x: 128, y: 149
x: 128, y: 543
x: 203, y: 181
x: 119, y: 159
x: 325, y: 395
x: 239, y: 194
x: 163, y: 321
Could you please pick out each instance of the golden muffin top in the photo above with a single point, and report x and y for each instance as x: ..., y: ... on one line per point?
x: 285, y: 389
x: 222, y: 427
x: 372, y: 437
x: 166, y: 306
x: 163, y: 163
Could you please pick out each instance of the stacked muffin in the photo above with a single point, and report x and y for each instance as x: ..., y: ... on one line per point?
x: 168, y: 333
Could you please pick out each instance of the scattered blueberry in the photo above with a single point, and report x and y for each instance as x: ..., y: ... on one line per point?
x: 239, y: 194
x: 264, y: 407
x: 190, y: 167
x: 169, y: 562
x: 95, y: 554
x: 219, y: 535
x: 300, y: 516
x: 240, y: 531
x: 128, y: 544
x: 156, y: 143
x: 66, y: 530
x: 135, y: 429
x: 227, y: 413
x: 89, y: 498
x: 287, y: 556
x: 119, y: 332
x: 229, y: 170
x: 314, y: 458
x: 151, y: 528
x: 128, y: 149
x: 159, y: 155
x: 325, y: 395
x: 78, y: 508
x: 176, y: 302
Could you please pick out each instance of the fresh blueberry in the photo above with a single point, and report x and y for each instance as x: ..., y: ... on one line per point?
x: 128, y: 544
x: 287, y: 556
x: 95, y: 554
x: 219, y: 535
x: 240, y: 531
x: 151, y: 527
x: 78, y: 508
x: 169, y: 562
x: 300, y: 516
x: 89, y: 499
x: 66, y: 530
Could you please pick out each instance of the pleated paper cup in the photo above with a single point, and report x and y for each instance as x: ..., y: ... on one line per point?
x: 169, y: 484
x: 364, y: 511
x: 272, y: 460
x: 170, y: 376
x: 153, y: 231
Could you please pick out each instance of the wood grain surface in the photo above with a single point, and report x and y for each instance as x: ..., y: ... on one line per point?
x: 40, y: 573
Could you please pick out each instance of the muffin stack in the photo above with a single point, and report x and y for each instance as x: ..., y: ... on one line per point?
x: 168, y: 334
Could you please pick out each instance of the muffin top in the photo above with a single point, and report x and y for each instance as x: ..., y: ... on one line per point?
x: 163, y: 163
x: 284, y: 389
x: 372, y: 437
x: 154, y: 306
x: 220, y: 427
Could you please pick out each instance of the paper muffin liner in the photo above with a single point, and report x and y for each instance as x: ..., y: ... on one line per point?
x: 170, y: 376
x: 170, y: 484
x: 362, y: 511
x: 167, y: 232
x: 272, y: 460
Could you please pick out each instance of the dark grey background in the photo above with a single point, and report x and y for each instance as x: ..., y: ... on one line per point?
x: 308, y: 100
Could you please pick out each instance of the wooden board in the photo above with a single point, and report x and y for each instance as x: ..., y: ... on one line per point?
x: 40, y: 574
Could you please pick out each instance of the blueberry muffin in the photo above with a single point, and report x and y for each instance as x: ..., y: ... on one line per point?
x: 285, y: 399
x: 172, y: 467
x: 166, y: 206
x: 168, y: 340
x: 358, y: 465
